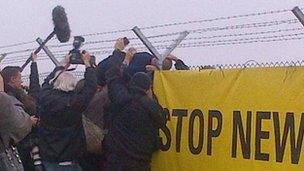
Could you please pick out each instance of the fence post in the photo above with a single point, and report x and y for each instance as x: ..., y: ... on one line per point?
x: 48, y: 52
x: 299, y: 14
x: 2, y: 56
x: 153, y: 50
x: 181, y: 37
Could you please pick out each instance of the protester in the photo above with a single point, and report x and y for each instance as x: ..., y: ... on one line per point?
x: 93, y: 127
x: 105, y: 64
x: 179, y: 64
x: 133, y: 120
x: 13, y: 86
x: 61, y: 134
x: 15, y: 124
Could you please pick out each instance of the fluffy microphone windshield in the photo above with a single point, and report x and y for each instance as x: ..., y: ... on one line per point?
x: 60, y: 20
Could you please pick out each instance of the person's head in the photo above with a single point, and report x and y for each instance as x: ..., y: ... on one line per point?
x: 66, y: 81
x: 167, y: 64
x: 139, y: 62
x: 141, y: 81
x: 12, y: 76
x: 154, y: 61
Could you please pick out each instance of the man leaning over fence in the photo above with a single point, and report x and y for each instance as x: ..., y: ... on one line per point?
x: 133, y: 120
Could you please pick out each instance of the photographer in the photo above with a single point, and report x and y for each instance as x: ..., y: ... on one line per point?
x: 15, y: 124
x: 61, y: 134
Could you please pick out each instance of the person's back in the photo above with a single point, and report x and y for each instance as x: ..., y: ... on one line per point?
x: 133, y: 120
x: 132, y: 130
x: 62, y: 122
x: 61, y: 134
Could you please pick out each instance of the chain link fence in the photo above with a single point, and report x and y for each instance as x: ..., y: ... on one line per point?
x: 248, y: 64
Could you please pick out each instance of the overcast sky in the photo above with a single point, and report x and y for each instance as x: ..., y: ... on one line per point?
x: 25, y: 20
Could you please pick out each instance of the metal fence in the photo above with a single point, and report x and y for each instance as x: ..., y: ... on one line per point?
x: 248, y: 64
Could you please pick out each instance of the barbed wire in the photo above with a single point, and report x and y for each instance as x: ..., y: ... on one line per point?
x: 201, y: 44
x: 251, y: 33
x: 263, y: 39
x: 17, y: 44
x: 191, y: 45
x: 113, y: 40
x: 216, y: 19
x: 247, y: 64
x: 21, y: 51
x: 169, y: 25
x: 190, y: 22
x: 45, y: 57
x: 209, y: 43
x: 245, y: 39
x: 246, y: 25
x: 239, y: 26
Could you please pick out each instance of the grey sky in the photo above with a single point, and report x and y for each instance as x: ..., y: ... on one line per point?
x: 25, y: 20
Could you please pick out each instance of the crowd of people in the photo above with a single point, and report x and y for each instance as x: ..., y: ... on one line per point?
x: 109, y: 120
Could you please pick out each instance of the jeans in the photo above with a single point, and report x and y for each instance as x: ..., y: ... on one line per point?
x: 50, y: 166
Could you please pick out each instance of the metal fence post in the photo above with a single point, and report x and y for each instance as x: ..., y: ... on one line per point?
x: 299, y: 14
x: 181, y: 37
x: 2, y: 56
x: 153, y: 50
x: 48, y: 52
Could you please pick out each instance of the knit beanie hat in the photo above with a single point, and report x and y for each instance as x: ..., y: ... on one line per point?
x: 141, y: 80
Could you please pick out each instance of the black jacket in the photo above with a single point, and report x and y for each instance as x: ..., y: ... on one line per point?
x: 61, y: 134
x: 34, y: 87
x: 133, y: 121
x: 105, y: 65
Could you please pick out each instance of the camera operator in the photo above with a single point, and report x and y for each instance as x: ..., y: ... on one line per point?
x: 15, y: 124
x: 61, y: 133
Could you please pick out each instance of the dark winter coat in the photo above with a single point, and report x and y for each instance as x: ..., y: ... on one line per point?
x: 61, y: 134
x: 133, y: 121
x: 106, y: 64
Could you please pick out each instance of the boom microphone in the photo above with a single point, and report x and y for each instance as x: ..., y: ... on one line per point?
x: 61, y: 29
x: 60, y: 21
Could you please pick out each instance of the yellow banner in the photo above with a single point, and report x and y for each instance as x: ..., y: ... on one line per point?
x: 238, y: 119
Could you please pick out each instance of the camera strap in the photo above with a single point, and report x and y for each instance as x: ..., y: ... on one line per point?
x: 71, y: 69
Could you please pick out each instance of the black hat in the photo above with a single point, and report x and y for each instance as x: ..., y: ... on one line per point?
x: 141, y: 80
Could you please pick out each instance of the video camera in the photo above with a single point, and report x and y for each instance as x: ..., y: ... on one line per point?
x: 76, y: 52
